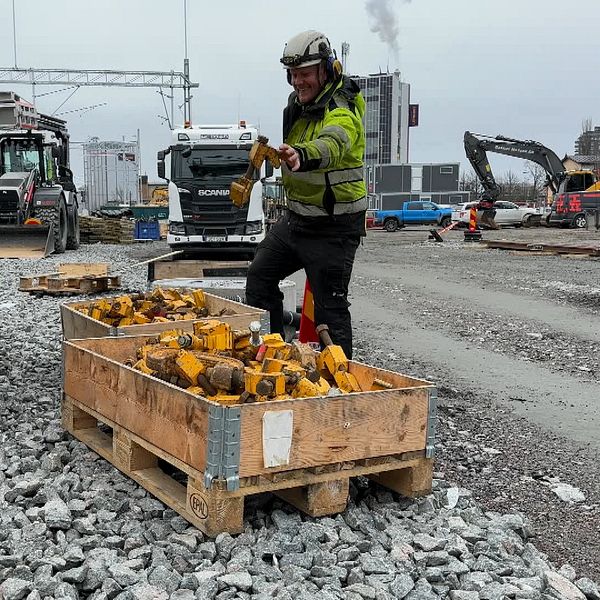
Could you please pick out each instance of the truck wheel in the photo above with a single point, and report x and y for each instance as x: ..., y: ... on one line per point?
x: 73, y: 236
x: 527, y: 221
x: 445, y: 222
x: 58, y: 218
x: 390, y: 224
x: 579, y: 222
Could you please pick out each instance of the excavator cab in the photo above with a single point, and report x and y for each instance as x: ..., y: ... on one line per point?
x: 24, y: 166
x: 577, y: 181
x: 38, y: 198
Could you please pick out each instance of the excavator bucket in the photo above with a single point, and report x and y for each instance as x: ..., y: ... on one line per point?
x: 26, y: 241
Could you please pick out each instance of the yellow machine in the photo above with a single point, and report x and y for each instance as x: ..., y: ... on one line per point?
x: 239, y: 191
x: 231, y: 368
x: 161, y: 305
x: 333, y: 361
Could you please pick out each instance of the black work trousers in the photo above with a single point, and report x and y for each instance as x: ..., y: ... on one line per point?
x: 327, y: 260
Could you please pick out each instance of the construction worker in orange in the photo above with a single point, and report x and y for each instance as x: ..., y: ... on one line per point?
x: 322, y: 171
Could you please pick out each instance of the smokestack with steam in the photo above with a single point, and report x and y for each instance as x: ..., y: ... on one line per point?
x: 384, y: 23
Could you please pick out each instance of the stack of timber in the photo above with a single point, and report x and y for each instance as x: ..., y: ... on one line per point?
x: 107, y: 231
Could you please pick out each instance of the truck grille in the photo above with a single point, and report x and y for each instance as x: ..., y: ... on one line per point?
x: 213, y: 212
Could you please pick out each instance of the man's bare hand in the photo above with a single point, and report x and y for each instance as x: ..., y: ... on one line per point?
x: 289, y: 156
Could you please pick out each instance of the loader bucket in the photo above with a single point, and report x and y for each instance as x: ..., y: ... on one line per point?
x: 26, y: 241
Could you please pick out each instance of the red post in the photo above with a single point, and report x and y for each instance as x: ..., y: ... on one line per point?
x: 307, y: 331
x: 473, y: 219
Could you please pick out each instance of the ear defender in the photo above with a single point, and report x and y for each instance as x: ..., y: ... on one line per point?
x: 333, y: 66
x: 336, y: 68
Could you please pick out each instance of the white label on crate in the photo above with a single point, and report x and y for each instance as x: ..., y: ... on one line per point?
x: 277, y: 437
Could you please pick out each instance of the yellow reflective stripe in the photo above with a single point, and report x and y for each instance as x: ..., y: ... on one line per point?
x: 337, y: 133
x: 323, y: 149
x: 345, y: 176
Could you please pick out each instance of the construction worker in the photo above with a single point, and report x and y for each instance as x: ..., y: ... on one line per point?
x: 322, y: 171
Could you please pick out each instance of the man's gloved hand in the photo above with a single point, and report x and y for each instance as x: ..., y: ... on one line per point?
x: 290, y: 156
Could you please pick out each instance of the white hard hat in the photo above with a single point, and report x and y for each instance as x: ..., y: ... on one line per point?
x: 306, y: 49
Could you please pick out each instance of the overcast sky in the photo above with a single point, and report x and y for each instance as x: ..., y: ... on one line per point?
x: 522, y: 68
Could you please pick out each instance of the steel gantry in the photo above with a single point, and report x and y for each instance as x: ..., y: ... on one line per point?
x: 100, y: 78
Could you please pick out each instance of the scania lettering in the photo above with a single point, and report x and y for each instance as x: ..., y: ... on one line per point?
x: 202, y: 162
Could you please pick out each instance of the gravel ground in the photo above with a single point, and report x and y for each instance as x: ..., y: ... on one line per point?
x: 71, y: 526
x: 488, y: 443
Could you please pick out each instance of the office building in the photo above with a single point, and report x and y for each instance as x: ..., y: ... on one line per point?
x: 386, y: 117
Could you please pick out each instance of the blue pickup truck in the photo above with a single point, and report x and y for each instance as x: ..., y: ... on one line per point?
x: 413, y: 213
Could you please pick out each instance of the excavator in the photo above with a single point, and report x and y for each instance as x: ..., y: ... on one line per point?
x: 38, y: 199
x: 560, y: 181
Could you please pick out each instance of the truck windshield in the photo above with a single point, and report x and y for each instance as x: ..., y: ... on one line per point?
x: 19, y: 156
x: 208, y: 163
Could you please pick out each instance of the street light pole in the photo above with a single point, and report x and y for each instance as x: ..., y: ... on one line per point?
x: 187, y: 108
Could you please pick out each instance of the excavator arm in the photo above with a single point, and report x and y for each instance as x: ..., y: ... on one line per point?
x: 477, y: 146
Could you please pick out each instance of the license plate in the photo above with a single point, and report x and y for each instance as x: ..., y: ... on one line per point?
x: 215, y: 238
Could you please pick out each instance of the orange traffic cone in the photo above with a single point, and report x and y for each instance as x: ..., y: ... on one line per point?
x: 307, y: 332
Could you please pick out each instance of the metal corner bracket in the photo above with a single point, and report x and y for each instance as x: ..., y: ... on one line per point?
x: 431, y: 422
x: 265, y: 322
x: 223, y: 446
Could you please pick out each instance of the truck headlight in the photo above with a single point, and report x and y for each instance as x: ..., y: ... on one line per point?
x: 177, y: 228
x: 254, y: 227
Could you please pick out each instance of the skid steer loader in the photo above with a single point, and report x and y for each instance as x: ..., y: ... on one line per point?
x: 38, y: 199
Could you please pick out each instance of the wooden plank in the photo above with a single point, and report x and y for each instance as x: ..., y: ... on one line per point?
x: 189, y: 269
x: 586, y: 248
x: 145, y: 444
x: 366, y: 374
x: 339, y: 428
x: 164, y: 415
x: 76, y: 325
x: 81, y: 269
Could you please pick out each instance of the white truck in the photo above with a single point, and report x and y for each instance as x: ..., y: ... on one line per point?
x: 202, y: 163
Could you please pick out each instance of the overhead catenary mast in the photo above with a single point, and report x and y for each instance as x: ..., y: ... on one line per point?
x: 345, y: 53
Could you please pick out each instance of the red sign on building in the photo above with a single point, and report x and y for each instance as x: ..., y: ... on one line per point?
x: 413, y: 115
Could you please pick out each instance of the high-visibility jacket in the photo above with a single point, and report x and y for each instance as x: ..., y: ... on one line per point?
x: 330, y: 139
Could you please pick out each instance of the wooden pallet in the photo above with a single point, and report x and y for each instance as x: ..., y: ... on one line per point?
x: 317, y: 491
x: 69, y: 286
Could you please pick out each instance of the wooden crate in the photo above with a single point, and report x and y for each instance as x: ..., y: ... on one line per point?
x: 387, y: 435
x: 196, y: 269
x: 76, y: 325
